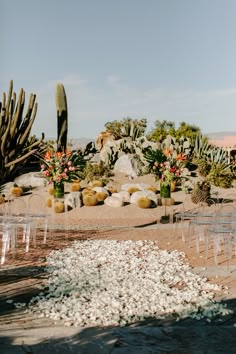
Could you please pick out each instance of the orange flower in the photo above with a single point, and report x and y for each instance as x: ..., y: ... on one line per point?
x: 47, y: 156
x: 68, y: 152
x: 181, y: 157
x: 167, y: 152
x: 59, y: 154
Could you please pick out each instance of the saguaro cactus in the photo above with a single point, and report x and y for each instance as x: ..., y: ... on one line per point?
x: 16, y: 144
x: 62, y: 117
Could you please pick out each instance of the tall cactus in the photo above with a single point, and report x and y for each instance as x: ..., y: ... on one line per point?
x: 62, y: 117
x: 16, y: 145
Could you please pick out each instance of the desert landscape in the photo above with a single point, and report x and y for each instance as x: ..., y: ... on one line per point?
x: 23, y: 276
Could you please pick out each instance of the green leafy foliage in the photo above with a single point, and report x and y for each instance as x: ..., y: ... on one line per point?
x: 154, y: 158
x: 98, y: 170
x: 127, y: 127
x: 163, y: 128
x: 220, y: 175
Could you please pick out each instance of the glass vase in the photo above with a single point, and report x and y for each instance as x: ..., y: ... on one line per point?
x: 58, y: 190
x: 164, y: 190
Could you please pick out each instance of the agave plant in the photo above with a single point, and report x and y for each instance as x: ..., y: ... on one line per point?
x: 154, y: 158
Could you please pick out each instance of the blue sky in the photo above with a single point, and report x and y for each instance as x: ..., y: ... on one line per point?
x: 154, y: 59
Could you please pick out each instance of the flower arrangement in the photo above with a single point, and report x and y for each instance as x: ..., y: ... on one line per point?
x: 166, y: 165
x: 58, y: 167
x: 169, y: 172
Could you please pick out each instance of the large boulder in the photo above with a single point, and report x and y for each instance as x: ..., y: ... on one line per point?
x: 103, y: 138
x: 126, y: 164
x: 31, y: 179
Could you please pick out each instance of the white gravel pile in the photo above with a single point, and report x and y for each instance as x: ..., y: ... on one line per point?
x: 106, y: 282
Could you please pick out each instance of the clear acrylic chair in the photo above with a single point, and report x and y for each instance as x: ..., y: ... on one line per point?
x: 38, y: 213
x: 222, y: 230
x: 184, y: 216
x: 205, y: 216
x: 15, y: 217
x: 229, y: 198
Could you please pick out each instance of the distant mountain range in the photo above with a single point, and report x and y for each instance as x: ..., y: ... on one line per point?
x: 220, y: 135
x: 82, y: 142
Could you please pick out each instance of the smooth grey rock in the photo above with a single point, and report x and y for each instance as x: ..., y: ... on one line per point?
x: 114, y: 202
x: 33, y: 179
x: 126, y: 166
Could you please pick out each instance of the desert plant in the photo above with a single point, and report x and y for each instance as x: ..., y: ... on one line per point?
x: 203, y: 167
x: 127, y: 127
x: 97, y: 183
x: 16, y: 144
x: 201, y: 191
x: 220, y: 175
x: 154, y: 158
x: 133, y: 189
x: 101, y: 196
x: 90, y: 199
x: 98, y: 170
x: 75, y: 187
x: 62, y: 117
x: 144, y: 202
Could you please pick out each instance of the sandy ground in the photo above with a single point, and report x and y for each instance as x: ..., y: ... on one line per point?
x: 127, y: 222
x: 23, y: 273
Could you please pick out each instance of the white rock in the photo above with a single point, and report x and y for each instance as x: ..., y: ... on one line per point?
x: 123, y: 195
x: 114, y: 202
x: 145, y: 193
x: 73, y: 200
x: 125, y: 165
x: 33, y: 179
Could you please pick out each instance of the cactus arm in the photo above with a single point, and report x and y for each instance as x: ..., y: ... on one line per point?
x: 28, y: 115
x: 4, y: 137
x: 9, y: 96
x: 13, y: 103
x: 17, y: 116
x: 62, y: 117
x: 22, y: 158
x: 3, y: 111
x: 25, y: 136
